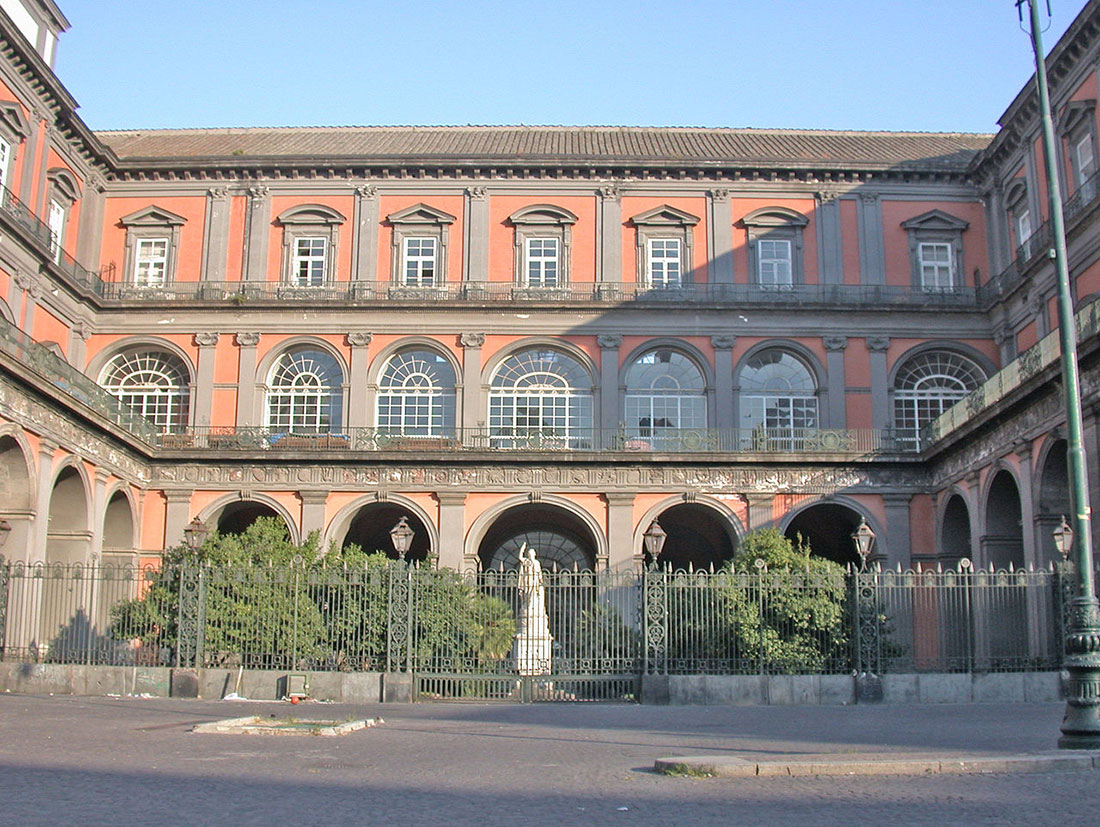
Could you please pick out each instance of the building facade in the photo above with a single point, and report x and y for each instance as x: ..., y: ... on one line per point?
x: 548, y: 335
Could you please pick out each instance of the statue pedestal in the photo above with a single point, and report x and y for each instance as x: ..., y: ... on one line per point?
x: 531, y: 650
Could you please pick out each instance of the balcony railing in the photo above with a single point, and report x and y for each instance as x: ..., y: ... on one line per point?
x: 259, y: 292
x: 692, y: 441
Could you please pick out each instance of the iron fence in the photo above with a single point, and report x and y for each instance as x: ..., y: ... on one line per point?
x: 450, y: 628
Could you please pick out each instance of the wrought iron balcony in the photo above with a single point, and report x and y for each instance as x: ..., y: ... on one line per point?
x: 852, y: 442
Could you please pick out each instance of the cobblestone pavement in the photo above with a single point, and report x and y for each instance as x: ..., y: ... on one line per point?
x: 133, y: 761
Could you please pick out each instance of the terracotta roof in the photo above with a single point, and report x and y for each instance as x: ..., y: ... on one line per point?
x: 550, y: 144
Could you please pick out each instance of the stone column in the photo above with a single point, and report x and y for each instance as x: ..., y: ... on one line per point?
x: 476, y: 245
x: 897, y: 531
x: 609, y: 264
x: 834, y: 348
x: 99, y: 512
x: 621, y: 554
x: 880, y: 387
x: 246, y: 378
x: 313, y: 514
x: 79, y: 335
x: 997, y: 221
x: 830, y: 255
x: 31, y: 149
x: 361, y: 400
x: 31, y: 297
x: 610, y: 416
x: 723, y: 384
x: 89, y: 234
x: 872, y: 255
x: 452, y: 532
x: 177, y: 514
x: 720, y: 238
x: 48, y: 133
x: 36, y: 548
x: 1033, y: 555
x: 257, y: 234
x: 472, y: 390
x: 215, y: 242
x: 204, y: 379
x: 761, y: 510
x: 364, y: 243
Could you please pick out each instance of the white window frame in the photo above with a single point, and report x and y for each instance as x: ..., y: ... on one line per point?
x: 773, y: 270
x: 542, y: 269
x: 936, y: 275
x: 1024, y: 231
x: 309, y: 268
x: 415, y: 264
x: 163, y: 393
x: 56, y: 218
x: 5, y: 161
x: 664, y: 263
x: 151, y: 267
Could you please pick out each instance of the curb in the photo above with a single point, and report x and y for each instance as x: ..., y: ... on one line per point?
x: 732, y: 766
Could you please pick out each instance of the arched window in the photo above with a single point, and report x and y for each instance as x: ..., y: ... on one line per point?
x: 926, y: 386
x: 665, y: 394
x: 416, y: 395
x: 153, y: 383
x: 778, y: 401
x: 304, y: 393
x: 540, y: 398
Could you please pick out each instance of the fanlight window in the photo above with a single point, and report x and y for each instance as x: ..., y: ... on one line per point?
x: 556, y: 552
x: 778, y: 401
x: 305, y: 393
x: 539, y: 399
x: 416, y: 395
x: 665, y: 396
x: 152, y: 383
x: 926, y: 386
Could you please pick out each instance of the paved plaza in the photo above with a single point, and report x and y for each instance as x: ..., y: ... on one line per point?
x: 135, y: 761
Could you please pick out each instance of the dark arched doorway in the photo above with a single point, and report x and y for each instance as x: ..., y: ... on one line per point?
x: 560, y: 539
x: 15, y: 498
x: 696, y: 538
x: 68, y: 536
x: 955, y: 535
x: 828, y: 529
x: 371, y: 526
x: 1054, y: 500
x: 237, y: 517
x: 1003, y: 541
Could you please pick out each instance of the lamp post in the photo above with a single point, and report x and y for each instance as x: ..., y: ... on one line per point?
x: 864, y: 539
x: 195, y: 534
x: 401, y: 537
x: 1081, y: 725
x: 1063, y: 539
x: 654, y: 538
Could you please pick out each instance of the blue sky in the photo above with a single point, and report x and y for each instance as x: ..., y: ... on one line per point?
x: 927, y: 65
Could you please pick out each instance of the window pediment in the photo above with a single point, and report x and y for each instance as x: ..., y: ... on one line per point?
x: 1074, y: 114
x: 767, y: 217
x: 152, y: 216
x: 936, y: 220
x: 311, y: 214
x: 421, y: 214
x: 542, y: 215
x: 12, y: 117
x: 664, y: 216
x: 1016, y: 191
x: 64, y: 184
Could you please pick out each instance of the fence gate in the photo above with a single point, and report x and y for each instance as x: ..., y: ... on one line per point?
x: 571, y: 636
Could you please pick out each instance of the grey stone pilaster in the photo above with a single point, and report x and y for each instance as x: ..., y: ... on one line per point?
x: 609, y: 264
x: 89, y: 234
x: 204, y: 379
x: 30, y: 153
x: 78, y: 344
x: 620, y: 532
x: 364, y: 244
x: 830, y: 255
x: 257, y: 234
x: 723, y: 381
x: 834, y: 349
x: 452, y: 526
x: 313, y: 513
x: 996, y: 219
x: 43, y: 166
x: 246, y: 378
x: 609, y: 382
x: 897, y: 531
x: 872, y: 251
x: 361, y: 395
x: 215, y: 242
x: 720, y: 237
x: 177, y: 514
x: 99, y: 512
x: 1032, y: 553
x: 36, y: 550
x: 880, y: 388
x: 471, y: 383
x: 476, y: 244
x: 761, y: 510
x: 30, y: 304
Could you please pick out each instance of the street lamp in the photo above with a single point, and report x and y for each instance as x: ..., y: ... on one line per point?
x: 195, y: 534
x: 401, y: 536
x: 5, y: 531
x: 1063, y: 538
x: 864, y: 538
x: 654, y: 538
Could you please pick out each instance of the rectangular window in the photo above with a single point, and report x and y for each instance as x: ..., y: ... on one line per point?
x: 55, y: 219
x: 150, y: 262
x: 663, y: 262
x: 936, y: 270
x: 542, y: 262
x: 774, y: 262
x: 309, y: 262
x: 419, y: 263
x: 1023, y: 234
x: 5, y: 159
x: 1086, y: 167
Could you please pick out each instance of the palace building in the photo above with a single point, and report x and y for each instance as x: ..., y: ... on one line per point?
x: 553, y: 335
